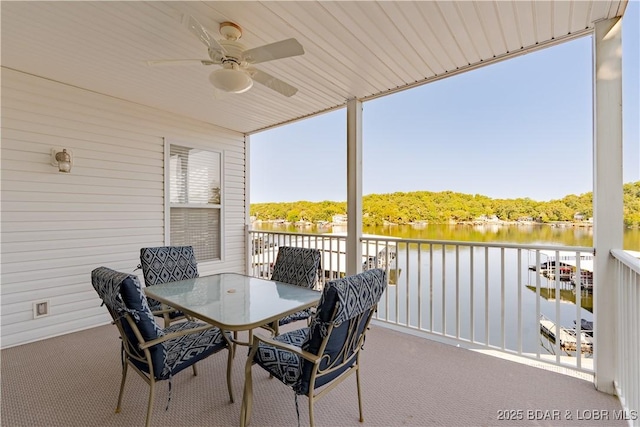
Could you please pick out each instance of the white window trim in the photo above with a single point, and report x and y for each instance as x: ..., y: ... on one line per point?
x: 167, y: 205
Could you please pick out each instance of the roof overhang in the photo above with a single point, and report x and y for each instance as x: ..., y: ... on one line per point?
x: 356, y: 49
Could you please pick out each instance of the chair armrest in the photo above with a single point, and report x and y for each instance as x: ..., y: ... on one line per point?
x: 176, y: 334
x: 315, y: 359
x: 164, y: 310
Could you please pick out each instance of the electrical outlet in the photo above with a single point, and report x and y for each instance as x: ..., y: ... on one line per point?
x: 40, y: 308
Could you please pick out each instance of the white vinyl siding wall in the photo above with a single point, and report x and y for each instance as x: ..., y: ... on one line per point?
x: 57, y: 227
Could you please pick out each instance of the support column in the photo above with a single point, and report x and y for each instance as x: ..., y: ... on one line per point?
x: 247, y: 205
x: 607, y: 194
x: 354, y: 187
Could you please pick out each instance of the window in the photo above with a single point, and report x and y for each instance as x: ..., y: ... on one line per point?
x: 195, y: 200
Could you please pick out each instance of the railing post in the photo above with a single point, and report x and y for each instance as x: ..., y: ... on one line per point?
x: 607, y: 194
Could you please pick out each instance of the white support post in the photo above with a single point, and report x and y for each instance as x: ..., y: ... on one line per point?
x: 248, y: 250
x: 354, y: 187
x: 607, y: 194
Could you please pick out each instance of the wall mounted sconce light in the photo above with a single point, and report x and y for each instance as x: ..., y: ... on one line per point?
x: 63, y: 160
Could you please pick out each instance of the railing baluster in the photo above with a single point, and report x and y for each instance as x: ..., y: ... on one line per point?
x: 444, y: 290
x: 557, y: 319
x: 431, y: 315
x: 407, y: 287
x: 578, y: 293
x: 501, y: 274
x: 419, y: 286
x: 502, y: 302
x: 457, y: 301
x: 519, y: 301
x: 472, y: 332
x: 486, y: 295
x: 538, y: 280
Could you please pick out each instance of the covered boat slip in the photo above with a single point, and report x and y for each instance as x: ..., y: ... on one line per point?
x: 565, y: 265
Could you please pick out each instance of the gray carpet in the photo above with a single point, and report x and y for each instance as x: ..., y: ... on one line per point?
x: 73, y: 380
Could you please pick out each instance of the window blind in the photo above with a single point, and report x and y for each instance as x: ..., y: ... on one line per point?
x: 195, y: 200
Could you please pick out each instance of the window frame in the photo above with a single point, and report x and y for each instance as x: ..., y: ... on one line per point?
x: 168, y: 142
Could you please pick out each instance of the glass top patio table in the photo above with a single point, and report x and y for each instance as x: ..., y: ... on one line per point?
x: 234, y: 302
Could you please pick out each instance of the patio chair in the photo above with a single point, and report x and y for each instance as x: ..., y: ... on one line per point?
x: 164, y: 264
x: 297, y: 266
x: 328, y: 351
x: 155, y: 354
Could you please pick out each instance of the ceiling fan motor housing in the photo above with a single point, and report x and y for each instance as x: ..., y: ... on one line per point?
x: 230, y: 31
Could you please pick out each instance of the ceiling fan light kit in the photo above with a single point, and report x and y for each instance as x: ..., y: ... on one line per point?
x: 231, y: 80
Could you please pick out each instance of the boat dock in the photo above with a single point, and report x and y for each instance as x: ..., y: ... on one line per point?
x: 565, y: 265
x: 567, y: 336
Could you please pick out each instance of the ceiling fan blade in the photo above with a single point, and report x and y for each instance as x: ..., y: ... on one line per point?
x: 201, y: 33
x: 170, y: 62
x: 272, y: 82
x: 269, y: 52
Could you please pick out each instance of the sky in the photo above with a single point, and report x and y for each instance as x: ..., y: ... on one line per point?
x: 519, y: 128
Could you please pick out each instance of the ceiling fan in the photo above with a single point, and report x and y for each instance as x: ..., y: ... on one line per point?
x: 237, y: 74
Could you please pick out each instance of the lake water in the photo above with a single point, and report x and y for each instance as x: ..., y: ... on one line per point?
x: 491, y: 233
x: 438, y: 280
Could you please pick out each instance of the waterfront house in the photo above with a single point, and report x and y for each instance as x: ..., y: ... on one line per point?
x: 75, y: 78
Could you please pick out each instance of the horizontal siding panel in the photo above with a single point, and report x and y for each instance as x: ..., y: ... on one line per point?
x: 68, y: 295
x: 64, y: 185
x: 61, y: 311
x: 60, y: 290
x: 57, y: 228
x: 99, y: 164
x: 105, y: 225
x: 62, y: 206
x: 94, y: 235
x: 76, y: 253
x: 27, y: 101
x: 66, y: 217
x: 15, y: 196
x: 19, y: 281
x: 97, y: 145
x: 99, y: 319
x: 27, y: 96
x: 95, y: 259
x: 73, y: 129
x: 117, y: 165
x: 89, y: 181
x: 73, y: 321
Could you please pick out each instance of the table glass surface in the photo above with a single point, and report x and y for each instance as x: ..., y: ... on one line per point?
x: 234, y: 301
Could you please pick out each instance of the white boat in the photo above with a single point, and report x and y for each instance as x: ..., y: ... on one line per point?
x: 568, y: 337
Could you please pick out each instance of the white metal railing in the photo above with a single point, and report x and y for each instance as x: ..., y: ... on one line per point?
x: 628, y: 334
x: 480, y: 295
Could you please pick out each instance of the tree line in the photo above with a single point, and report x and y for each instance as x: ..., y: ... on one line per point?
x: 448, y: 206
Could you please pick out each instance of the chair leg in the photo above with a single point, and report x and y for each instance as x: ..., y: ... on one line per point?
x: 359, y: 390
x: 124, y: 378
x: 247, y: 395
x: 235, y: 341
x: 230, y: 357
x: 195, y: 371
x: 150, y: 405
x: 311, y: 419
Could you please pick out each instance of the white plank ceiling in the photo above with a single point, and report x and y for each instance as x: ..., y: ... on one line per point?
x: 358, y: 49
